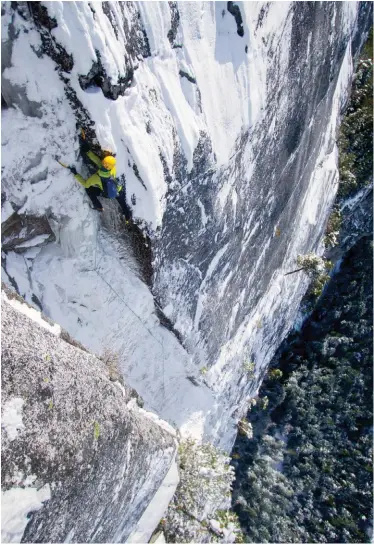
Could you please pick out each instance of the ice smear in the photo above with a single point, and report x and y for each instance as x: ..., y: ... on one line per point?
x: 33, y: 241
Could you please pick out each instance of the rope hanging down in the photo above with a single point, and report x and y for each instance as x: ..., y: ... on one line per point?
x: 161, y: 343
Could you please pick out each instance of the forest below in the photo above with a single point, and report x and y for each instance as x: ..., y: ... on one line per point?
x: 306, y: 475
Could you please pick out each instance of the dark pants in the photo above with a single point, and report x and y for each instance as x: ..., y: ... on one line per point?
x: 95, y: 192
x: 121, y: 199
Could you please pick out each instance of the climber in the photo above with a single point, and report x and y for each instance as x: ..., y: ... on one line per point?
x: 103, y: 182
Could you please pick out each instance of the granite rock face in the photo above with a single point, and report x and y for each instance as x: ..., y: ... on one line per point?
x: 224, y: 119
x: 228, y: 234
x: 102, y: 459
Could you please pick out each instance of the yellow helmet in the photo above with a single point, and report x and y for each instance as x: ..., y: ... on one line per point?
x: 109, y: 162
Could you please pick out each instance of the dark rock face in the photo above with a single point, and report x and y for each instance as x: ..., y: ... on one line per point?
x: 184, y: 74
x: 175, y: 17
x: 103, y: 461
x: 19, y: 232
x: 137, y: 47
x: 50, y: 46
x: 97, y: 77
x: 235, y: 11
x: 270, y: 199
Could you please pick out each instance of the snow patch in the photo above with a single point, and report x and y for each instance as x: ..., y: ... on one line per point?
x: 6, y: 211
x: 16, y: 503
x: 11, y: 419
x: 33, y: 314
x: 152, y: 416
x: 204, y: 219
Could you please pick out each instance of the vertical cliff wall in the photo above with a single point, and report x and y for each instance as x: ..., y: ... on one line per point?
x: 223, y: 117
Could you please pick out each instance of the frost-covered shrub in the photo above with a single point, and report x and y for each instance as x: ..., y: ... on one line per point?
x: 355, y: 141
x: 111, y: 360
x: 206, y: 477
x: 275, y: 374
x: 245, y: 428
x: 225, y: 525
x: 319, y: 283
x: 317, y: 269
x: 249, y: 367
x: 333, y: 228
x: 204, y: 489
x: 312, y: 264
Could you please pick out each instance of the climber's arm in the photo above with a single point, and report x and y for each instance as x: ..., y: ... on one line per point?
x: 94, y: 158
x: 92, y: 180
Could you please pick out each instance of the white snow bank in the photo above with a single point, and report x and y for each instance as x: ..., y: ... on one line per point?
x: 162, y: 423
x: 160, y: 539
x: 16, y: 503
x: 33, y: 314
x: 11, y: 419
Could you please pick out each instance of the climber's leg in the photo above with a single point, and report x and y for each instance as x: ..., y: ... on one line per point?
x: 93, y: 193
x: 125, y: 209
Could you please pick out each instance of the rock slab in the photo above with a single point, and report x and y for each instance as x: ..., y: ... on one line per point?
x: 74, y: 431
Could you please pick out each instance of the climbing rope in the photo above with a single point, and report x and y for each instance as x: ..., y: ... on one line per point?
x: 161, y: 343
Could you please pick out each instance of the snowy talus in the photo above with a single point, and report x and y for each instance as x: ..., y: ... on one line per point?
x: 223, y: 117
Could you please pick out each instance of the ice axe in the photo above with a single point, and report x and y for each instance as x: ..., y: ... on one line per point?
x: 62, y: 164
x: 72, y: 169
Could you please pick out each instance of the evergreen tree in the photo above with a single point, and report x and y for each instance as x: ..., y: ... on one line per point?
x: 306, y: 476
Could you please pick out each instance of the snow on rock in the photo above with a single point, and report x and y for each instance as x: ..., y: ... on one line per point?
x: 156, y: 508
x: 11, y: 419
x: 6, y: 211
x: 160, y: 539
x: 33, y: 314
x: 16, y: 504
x: 224, y: 137
x: 69, y: 434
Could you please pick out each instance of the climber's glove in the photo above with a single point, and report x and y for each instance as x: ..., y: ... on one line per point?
x: 73, y: 170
